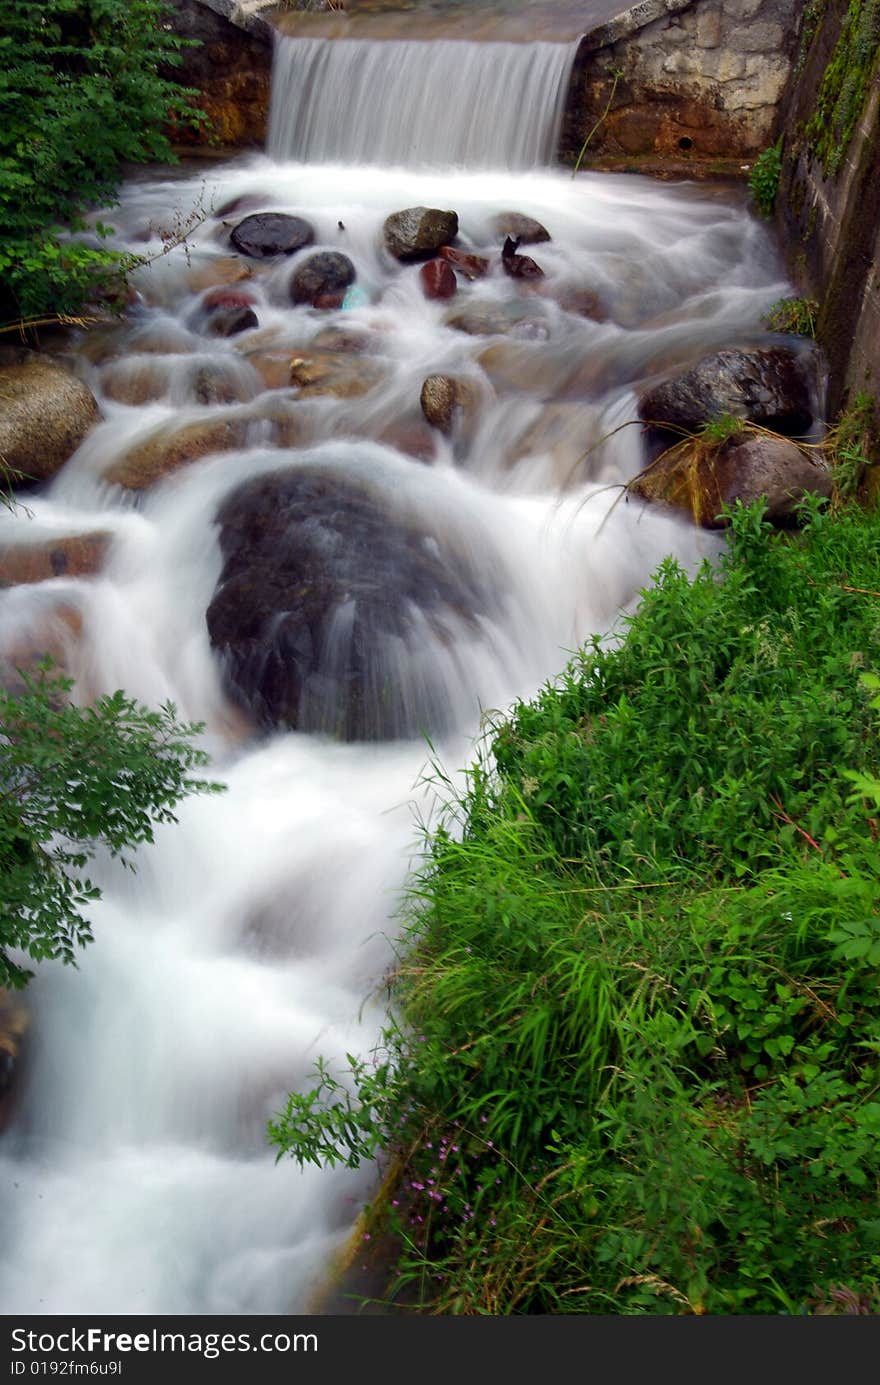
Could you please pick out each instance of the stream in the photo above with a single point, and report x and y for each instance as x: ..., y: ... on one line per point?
x: 255, y: 933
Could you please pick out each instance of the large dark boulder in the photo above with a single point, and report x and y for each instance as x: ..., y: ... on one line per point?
x: 326, y: 602
x: 766, y: 385
x: 271, y: 233
x: 327, y: 272
x: 418, y: 232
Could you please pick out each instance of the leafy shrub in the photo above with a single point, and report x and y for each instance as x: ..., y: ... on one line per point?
x: 635, y: 1062
x: 80, y: 92
x: 76, y: 779
x: 764, y: 178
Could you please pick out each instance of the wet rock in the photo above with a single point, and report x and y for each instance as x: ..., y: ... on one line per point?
x: 419, y: 232
x: 520, y: 319
x: 437, y: 279
x: 346, y: 339
x: 45, y: 413
x: 519, y: 266
x: 581, y: 302
x: 229, y: 321
x: 700, y: 479
x: 327, y: 273
x: 325, y: 372
x: 471, y: 266
x: 522, y: 366
x: 565, y: 433
x: 245, y: 202
x: 224, y: 312
x: 325, y: 597
x: 227, y: 297
x: 444, y: 398
x: 217, y: 270
x: 161, y: 338
x: 411, y: 436
x: 221, y: 384
x: 168, y: 448
x: 135, y: 380
x: 76, y: 555
x: 13, y: 1028
x: 265, y: 234
x: 524, y: 229
x: 285, y: 422
x: 52, y: 633
x: 769, y: 385
x: 273, y: 367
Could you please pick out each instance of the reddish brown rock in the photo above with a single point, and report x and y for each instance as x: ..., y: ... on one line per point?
x: 519, y: 266
x: 77, y: 555
x: 471, y: 266
x: 437, y: 279
x: 328, y: 301
x: 224, y: 297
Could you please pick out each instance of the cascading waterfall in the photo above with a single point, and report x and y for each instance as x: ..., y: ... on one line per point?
x: 255, y: 933
x: 437, y: 104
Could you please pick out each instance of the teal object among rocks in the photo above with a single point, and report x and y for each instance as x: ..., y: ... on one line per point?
x: 355, y: 297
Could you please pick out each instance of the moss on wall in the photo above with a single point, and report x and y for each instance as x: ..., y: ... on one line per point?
x: 845, y: 83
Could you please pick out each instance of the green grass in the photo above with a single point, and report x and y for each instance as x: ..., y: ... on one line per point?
x: 797, y: 316
x: 634, y: 1061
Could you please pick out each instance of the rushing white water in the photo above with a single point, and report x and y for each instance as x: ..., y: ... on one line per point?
x: 254, y: 935
x: 443, y: 103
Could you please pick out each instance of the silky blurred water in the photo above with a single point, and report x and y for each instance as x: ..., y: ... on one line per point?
x: 255, y: 934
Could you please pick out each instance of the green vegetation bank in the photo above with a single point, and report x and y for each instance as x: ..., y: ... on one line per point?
x: 635, y: 1060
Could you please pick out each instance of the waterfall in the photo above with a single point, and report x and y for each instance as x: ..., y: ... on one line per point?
x: 444, y: 103
x: 254, y: 935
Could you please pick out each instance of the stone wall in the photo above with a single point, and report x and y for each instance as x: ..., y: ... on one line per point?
x: 230, y: 69
x: 830, y: 216
x: 700, y: 80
